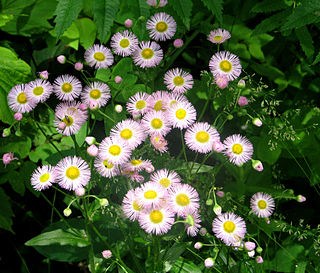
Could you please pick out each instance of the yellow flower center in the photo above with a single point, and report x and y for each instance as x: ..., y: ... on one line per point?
x: 165, y: 182
x: 217, y: 38
x: 72, y: 172
x: 225, y: 66
x: 262, y: 204
x: 126, y: 134
x: 68, y: 120
x: 156, y: 216
x: 115, y: 150
x: 66, y: 87
x: 44, y: 178
x: 158, y: 105
x: 147, y: 53
x: 202, y: 137
x: 178, y: 80
x: 229, y: 226
x: 161, y: 26
x: 38, y: 90
x: 99, y: 56
x: 136, y: 162
x: 141, y: 104
x: 156, y: 123
x: 22, y: 98
x: 107, y: 165
x: 150, y: 195
x: 181, y: 114
x: 136, y: 206
x: 182, y: 200
x: 237, y: 149
x: 95, y: 94
x: 124, y: 43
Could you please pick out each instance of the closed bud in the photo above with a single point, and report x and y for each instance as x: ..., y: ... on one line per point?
x: 257, y: 122
x: 220, y: 194
x: 128, y: 23
x: 18, y: 133
x: 242, y: 83
x: 80, y: 191
x: 44, y: 75
x: 93, y: 150
x: 257, y: 165
x: 118, y: 108
x: 209, y: 202
x: 17, y: 116
x: 90, y: 140
x: 178, y: 43
x: 249, y: 246
x: 61, y: 59
x: 300, y: 198
x: 217, y: 209
x: 198, y: 245
x: 203, y: 231
x: 209, y: 262
x: 83, y: 107
x: 251, y: 253
x: 93, y: 105
x: 142, y: 18
x: 242, y: 101
x: 259, y: 249
x: 62, y: 126
x: 117, y: 79
x: 106, y: 254
x: 78, y: 66
x: 259, y: 260
x: 67, y: 212
x: 229, y: 117
x: 104, y: 202
x: 6, y: 132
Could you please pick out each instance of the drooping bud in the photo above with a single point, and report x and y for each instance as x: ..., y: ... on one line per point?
x: 7, y: 158
x: 209, y: 202
x: 251, y: 253
x: 217, y: 209
x: 17, y: 116
x: 198, y: 245
x: 249, y: 246
x: 104, y: 202
x: 93, y: 150
x: 6, y: 132
x: 90, y: 140
x: 61, y: 59
x: 78, y: 66
x: 80, y: 191
x: 44, y: 75
x: 128, y: 23
x: 242, y: 101
x: 106, y: 254
x: 209, y: 262
x: 257, y: 122
x: 257, y: 165
x: 300, y: 198
x: 178, y: 43
x: 259, y: 249
x: 259, y: 260
x: 67, y: 212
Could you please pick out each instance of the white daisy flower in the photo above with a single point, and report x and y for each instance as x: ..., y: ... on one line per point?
x: 225, y: 63
x: 105, y: 168
x: 181, y: 115
x: 238, y: 149
x: 72, y: 172
x: 130, y: 206
x: 158, y: 101
x: 151, y: 195
x: 98, y: 92
x: 156, y: 123
x: 98, y: 56
x: 19, y: 101
x: 148, y: 54
x: 38, y: 90
x: 218, y: 36
x: 43, y: 177
x: 162, y: 26
x: 165, y: 178
x: 138, y: 165
x: 262, y: 204
x: 178, y: 80
x: 67, y: 87
x: 174, y: 98
x: 229, y: 227
x: 138, y: 104
x: 124, y: 44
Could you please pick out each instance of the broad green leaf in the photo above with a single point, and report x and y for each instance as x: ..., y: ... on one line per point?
x: 144, y: 8
x: 67, y: 11
x: 82, y: 134
x: 17, y: 182
x: 269, y: 6
x: 203, y: 169
x: 305, y: 40
x: 123, y: 67
x: 103, y: 74
x: 112, y: 114
x: 264, y: 152
x: 215, y: 7
x: 87, y: 30
x: 6, y: 212
x: 255, y: 51
x: 104, y: 14
x: 12, y: 71
x: 18, y: 145
x: 267, y: 70
x: 183, y: 9
x: 301, y: 267
x: 173, y: 254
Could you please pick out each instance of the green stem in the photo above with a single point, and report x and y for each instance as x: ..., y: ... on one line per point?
x: 99, y: 111
x: 76, y: 146
x: 195, y: 159
x: 156, y: 252
x: 203, y: 110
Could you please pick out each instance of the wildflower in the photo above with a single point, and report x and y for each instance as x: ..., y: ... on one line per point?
x: 218, y: 36
x: 154, y: 3
x: 209, y: 262
x: 198, y: 245
x: 17, y: 116
x: 138, y: 103
x: 61, y: 59
x: 262, y: 204
x: 80, y: 191
x: 72, y: 173
x: 203, y: 231
x: 78, y: 66
x: 229, y: 227
x: 259, y: 249
x: 251, y: 253
x: 221, y: 81
x: 218, y: 146
x: 300, y: 198
x: 90, y: 140
x: 43, y: 177
x: 181, y: 115
x: 19, y: 101
x: 155, y: 122
x: 83, y: 106
x: 257, y: 122
x: 151, y: 195
x: 107, y: 254
x: 238, y: 149
x: 93, y: 150
x: 98, y: 92
x: 7, y: 158
x: 128, y: 23
x: 257, y: 165
x: 118, y: 108
x: 105, y: 168
x: 259, y: 260
x: 38, y: 90
x: 162, y: 26
x: 67, y: 87
x: 159, y: 143
x: 178, y: 80
x: 93, y: 105
x: 249, y: 246
x: 117, y: 79
x: 98, y: 56
x: 158, y: 101
x: 165, y: 178
x: 242, y: 83
x: 130, y: 206
x: 137, y: 165
x: 103, y: 202
x: 115, y: 150
x: 124, y: 43
x: 177, y: 43
x: 44, y: 75
x: 217, y: 209
x: 242, y: 101
x: 225, y: 63
x: 148, y: 54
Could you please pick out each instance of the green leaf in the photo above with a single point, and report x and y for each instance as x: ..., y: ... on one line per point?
x: 203, y: 168
x: 105, y: 12
x: 17, y: 145
x: 87, y: 30
x: 268, y: 6
x: 301, y: 267
x: 267, y: 70
x: 271, y: 22
x: 12, y: 72
x: 144, y: 8
x: 305, y: 40
x: 173, y: 254
x: 215, y: 6
x: 82, y: 134
x: 5, y: 18
x: 67, y: 11
x: 307, y: 13
x: 317, y: 59
x: 183, y: 9
x: 264, y: 152
x: 184, y: 266
x: 17, y: 182
x: 103, y: 74
x: 6, y: 212
x: 117, y: 117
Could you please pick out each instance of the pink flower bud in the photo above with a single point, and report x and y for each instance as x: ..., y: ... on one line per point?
x: 118, y: 79
x: 259, y: 260
x: 242, y: 101
x: 220, y: 194
x: 149, y: 168
x: 209, y: 262
x: 249, y: 246
x: 154, y: 3
x: 198, y: 245
x: 80, y: 191
x: 178, y: 43
x: 267, y: 221
x: 17, y: 116
x: 62, y: 126
x: 7, y: 158
x: 83, y: 107
x: 221, y: 81
x: 251, y: 253
x: 106, y: 254
x: 128, y: 23
x: 218, y: 146
x: 78, y: 66
x: 203, y: 231
x: 61, y: 59
x: 242, y: 83
x: 257, y: 122
x: 300, y: 198
x: 159, y: 143
x: 44, y: 75
x: 93, y: 150
x: 90, y: 140
x: 93, y: 105
x: 118, y: 108
x: 257, y: 165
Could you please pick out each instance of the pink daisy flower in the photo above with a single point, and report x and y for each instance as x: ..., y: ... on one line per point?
x: 19, y: 101
x: 67, y: 88
x: 151, y: 195
x: 158, y: 101
x: 98, y: 92
x: 105, y: 168
x: 130, y: 206
x: 138, y: 104
x: 178, y: 80
x: 43, y: 177
x: 218, y: 36
x: 124, y: 43
x: 181, y: 115
x: 165, y: 178
x: 38, y: 90
x: 98, y: 56
x: 262, y: 204
x: 138, y: 165
x: 156, y: 122
x: 193, y: 221
x: 159, y: 143
x: 148, y: 54
x: 154, y: 3
x: 162, y: 26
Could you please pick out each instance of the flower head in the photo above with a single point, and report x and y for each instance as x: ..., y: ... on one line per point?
x: 178, y: 80
x: 242, y: 101
x: 177, y: 43
x: 165, y: 178
x: 138, y: 104
x: 43, y: 177
x: 7, y: 158
x: 124, y: 43
x: 262, y: 204
x: 218, y: 36
x: 19, y: 101
x: 148, y: 54
x: 67, y: 87
x: 105, y: 168
x: 181, y: 115
x: 98, y: 56
x: 38, y: 90
x: 156, y: 122
x: 162, y: 26
x: 116, y: 150
x: 98, y: 92
x: 151, y: 196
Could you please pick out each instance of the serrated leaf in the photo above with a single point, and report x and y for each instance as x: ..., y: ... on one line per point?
x: 67, y: 11
x: 305, y: 40
x: 105, y: 12
x: 269, y: 6
x: 183, y: 9
x: 144, y: 8
x: 307, y: 13
x: 271, y: 22
x: 6, y: 212
x: 215, y: 7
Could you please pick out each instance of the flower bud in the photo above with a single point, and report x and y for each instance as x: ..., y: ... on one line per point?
x: 209, y: 262
x: 83, y: 107
x: 217, y: 209
x: 61, y: 59
x: 218, y: 146
x: 229, y: 117
x: 17, y: 116
x: 190, y: 220
x: 90, y: 140
x: 257, y: 122
x: 67, y: 212
x: 178, y: 43
x: 6, y: 132
x: 118, y: 79
x: 142, y: 18
x: 259, y: 249
x: 78, y: 66
x: 203, y: 231
x: 93, y: 150
x: 104, y: 202
x: 242, y: 101
x: 300, y: 198
x: 209, y: 202
x: 221, y: 81
x: 44, y: 75
x: 106, y: 254
x: 259, y: 260
x: 93, y: 105
x: 251, y: 253
x: 198, y: 245
x: 80, y: 191
x: 257, y: 165
x: 249, y: 246
x: 62, y: 126
x: 118, y: 108
x: 7, y: 158
x: 128, y: 23
x: 242, y: 83
x: 220, y: 194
